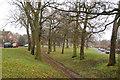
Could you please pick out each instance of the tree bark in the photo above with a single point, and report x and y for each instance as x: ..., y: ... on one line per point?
x: 83, y: 39
x: 54, y: 44
x: 67, y: 43
x: 33, y: 43
x: 112, y: 58
x: 37, y: 38
x: 38, y: 48
x: 75, y: 34
x: 63, y: 46
x: 49, y: 40
x: 28, y: 36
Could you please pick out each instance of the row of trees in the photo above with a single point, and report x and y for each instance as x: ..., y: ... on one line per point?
x: 74, y: 22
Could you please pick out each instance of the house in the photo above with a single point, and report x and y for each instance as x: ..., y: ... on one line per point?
x: 6, y: 36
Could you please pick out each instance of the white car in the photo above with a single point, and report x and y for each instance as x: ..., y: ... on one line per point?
x: 26, y: 45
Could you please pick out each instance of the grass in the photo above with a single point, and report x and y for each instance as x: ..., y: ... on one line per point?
x: 93, y: 66
x: 19, y: 63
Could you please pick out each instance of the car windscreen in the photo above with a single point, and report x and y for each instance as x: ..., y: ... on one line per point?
x: 7, y: 43
x: 14, y: 43
x: 108, y: 49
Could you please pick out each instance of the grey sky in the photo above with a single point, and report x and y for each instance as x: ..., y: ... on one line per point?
x: 5, y: 11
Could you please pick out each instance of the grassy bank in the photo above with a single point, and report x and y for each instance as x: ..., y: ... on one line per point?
x: 18, y: 63
x: 93, y: 66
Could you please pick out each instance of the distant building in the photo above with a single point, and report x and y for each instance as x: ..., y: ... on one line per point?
x: 8, y: 36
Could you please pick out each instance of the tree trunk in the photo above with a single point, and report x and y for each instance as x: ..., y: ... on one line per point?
x: 63, y: 46
x: 54, y: 45
x: 112, y: 59
x: 33, y: 43
x: 54, y: 42
x: 49, y: 41
x: 67, y: 44
x: 38, y: 48
x: 37, y: 37
x: 33, y: 38
x: 75, y: 40
x: 28, y: 36
x: 82, y: 45
x: 83, y: 39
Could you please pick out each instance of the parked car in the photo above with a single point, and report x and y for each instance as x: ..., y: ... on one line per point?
x: 15, y: 45
x: 99, y: 48
x: 90, y: 46
x: 108, y: 51
x: 26, y: 45
x: 117, y: 50
x: 102, y: 50
x: 7, y: 45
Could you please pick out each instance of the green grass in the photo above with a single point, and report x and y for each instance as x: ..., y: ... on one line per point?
x: 19, y: 63
x: 93, y: 66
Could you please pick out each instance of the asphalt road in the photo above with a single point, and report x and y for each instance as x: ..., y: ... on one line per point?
x: 99, y: 51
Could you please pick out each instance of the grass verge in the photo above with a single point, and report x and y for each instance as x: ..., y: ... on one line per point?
x: 19, y: 63
x: 93, y: 66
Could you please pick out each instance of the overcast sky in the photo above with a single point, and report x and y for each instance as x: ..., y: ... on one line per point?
x: 5, y: 8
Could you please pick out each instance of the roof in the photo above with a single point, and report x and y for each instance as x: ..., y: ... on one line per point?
x: 5, y: 32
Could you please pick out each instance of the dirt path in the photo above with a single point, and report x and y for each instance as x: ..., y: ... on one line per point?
x: 69, y: 72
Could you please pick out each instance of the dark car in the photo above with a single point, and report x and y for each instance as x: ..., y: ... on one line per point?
x: 108, y: 51
x: 7, y: 45
x: 15, y: 45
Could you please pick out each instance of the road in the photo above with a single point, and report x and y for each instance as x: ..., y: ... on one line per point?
x: 99, y: 51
